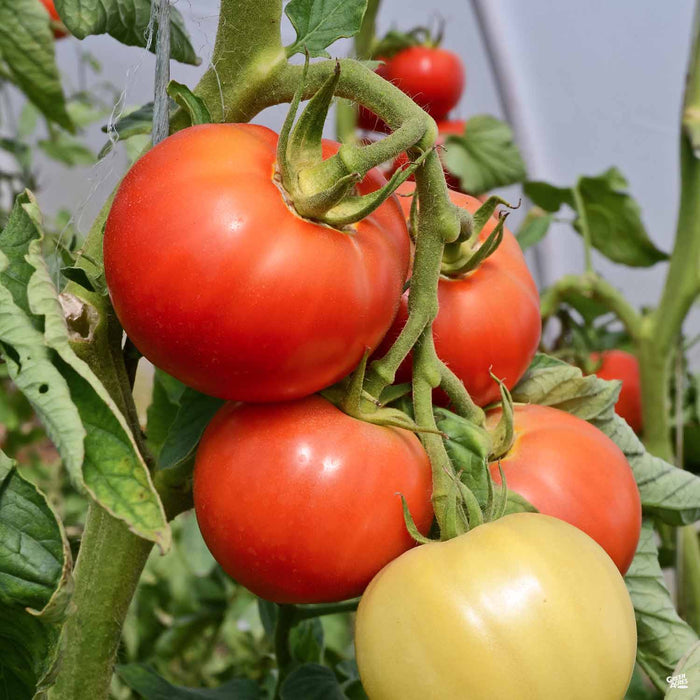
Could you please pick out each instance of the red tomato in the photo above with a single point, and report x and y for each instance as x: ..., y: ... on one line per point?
x: 488, y: 320
x: 220, y: 283
x: 569, y: 469
x: 51, y: 9
x: 618, y: 364
x: 299, y: 502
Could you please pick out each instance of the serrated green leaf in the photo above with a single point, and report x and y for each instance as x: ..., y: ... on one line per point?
x: 66, y: 149
x: 686, y: 675
x: 312, y: 682
x: 485, y: 156
x: 27, y: 49
x: 81, y: 418
x: 127, y: 21
x: 35, y: 584
x: 151, y: 686
x: 662, y: 637
x: 668, y: 493
x: 534, y: 228
x: 319, y: 23
x: 193, y: 105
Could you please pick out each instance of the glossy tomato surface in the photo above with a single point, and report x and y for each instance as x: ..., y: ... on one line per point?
x: 569, y: 469
x: 51, y: 9
x: 299, y: 502
x: 488, y: 319
x: 621, y: 365
x: 523, y: 608
x: 219, y: 283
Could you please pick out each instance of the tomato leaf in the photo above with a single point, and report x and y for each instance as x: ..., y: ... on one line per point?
x: 193, y: 105
x: 686, y: 674
x: 319, y: 23
x: 614, y: 217
x: 165, y: 403
x: 126, y: 21
x: 534, y: 228
x: 27, y: 48
x: 485, y: 156
x: 65, y: 148
x: 151, y: 686
x: 668, y: 493
x: 306, y: 641
x: 663, y: 638
x: 312, y: 682
x: 80, y: 416
x: 35, y: 584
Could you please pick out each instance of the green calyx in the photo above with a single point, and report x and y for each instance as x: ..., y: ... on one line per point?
x: 325, y: 190
x: 395, y: 41
x: 503, y: 434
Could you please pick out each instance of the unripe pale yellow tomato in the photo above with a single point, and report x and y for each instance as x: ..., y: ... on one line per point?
x: 527, y: 607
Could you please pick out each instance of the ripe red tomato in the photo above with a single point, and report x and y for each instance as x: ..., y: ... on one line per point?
x: 488, y: 320
x: 299, y: 502
x: 53, y: 14
x: 220, y: 283
x: 569, y: 469
x: 618, y: 364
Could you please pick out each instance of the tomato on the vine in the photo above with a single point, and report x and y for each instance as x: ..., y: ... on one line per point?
x: 569, y: 469
x: 53, y: 14
x: 300, y: 503
x: 488, y: 320
x: 523, y: 608
x: 618, y: 364
x: 220, y: 283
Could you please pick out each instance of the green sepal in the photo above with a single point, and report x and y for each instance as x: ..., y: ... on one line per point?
x: 411, y: 524
x: 195, y: 107
x: 469, y: 259
x: 503, y: 434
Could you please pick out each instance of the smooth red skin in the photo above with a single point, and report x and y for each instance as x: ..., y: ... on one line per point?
x: 220, y: 284
x: 488, y: 320
x: 432, y: 77
x: 571, y: 470
x: 50, y: 7
x: 618, y: 364
x: 300, y: 503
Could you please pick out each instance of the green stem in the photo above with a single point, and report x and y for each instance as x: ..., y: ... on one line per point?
x: 585, y: 228
x: 285, y: 623
x: 364, y: 39
x: 307, y: 612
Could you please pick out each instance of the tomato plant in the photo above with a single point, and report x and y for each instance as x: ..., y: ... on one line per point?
x: 299, y: 502
x: 477, y: 330
x: 555, y: 463
x: 252, y: 302
x: 623, y: 366
x: 526, y: 606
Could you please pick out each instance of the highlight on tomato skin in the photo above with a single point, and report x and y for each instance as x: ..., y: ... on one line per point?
x: 569, y: 469
x: 299, y: 502
x: 220, y: 284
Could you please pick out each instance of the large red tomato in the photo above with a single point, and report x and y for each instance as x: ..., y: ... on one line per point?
x: 220, y: 283
x: 489, y: 319
x: 618, y: 364
x: 569, y: 469
x: 53, y: 14
x: 299, y: 502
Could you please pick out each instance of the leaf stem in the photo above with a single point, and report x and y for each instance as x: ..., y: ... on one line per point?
x: 585, y: 228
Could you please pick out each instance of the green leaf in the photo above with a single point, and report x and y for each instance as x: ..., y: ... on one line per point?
x: 686, y: 675
x: 138, y: 122
x: 165, y: 403
x: 27, y: 48
x: 68, y: 150
x: 148, y: 684
x: 127, y: 21
x: 306, y: 641
x: 193, y: 105
x: 319, y: 23
x: 663, y: 638
x: 548, y: 197
x: 35, y: 584
x: 18, y: 149
x: 534, y: 228
x: 668, y: 493
x: 485, y: 156
x: 80, y: 416
x: 312, y: 682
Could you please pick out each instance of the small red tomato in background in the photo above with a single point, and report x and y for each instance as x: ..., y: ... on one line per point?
x: 299, y: 502
x: 618, y: 364
x: 569, y: 469
x: 489, y: 319
x: 51, y: 9
x: 219, y: 283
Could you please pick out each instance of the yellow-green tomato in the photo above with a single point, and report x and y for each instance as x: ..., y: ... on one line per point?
x: 527, y: 607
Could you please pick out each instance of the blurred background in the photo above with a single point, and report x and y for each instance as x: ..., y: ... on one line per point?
x: 589, y: 85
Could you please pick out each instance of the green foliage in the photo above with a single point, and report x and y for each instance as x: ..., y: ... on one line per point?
x: 27, y: 49
x: 534, y: 228
x: 689, y: 669
x: 127, y: 21
x: 193, y: 105
x: 35, y: 584
x: 319, y: 23
x: 614, y: 218
x: 485, y: 156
